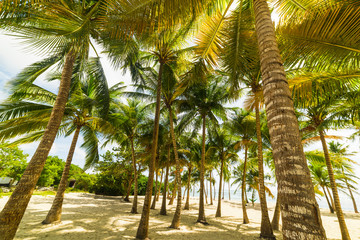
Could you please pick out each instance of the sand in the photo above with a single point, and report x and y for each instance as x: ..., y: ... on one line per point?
x: 86, y: 216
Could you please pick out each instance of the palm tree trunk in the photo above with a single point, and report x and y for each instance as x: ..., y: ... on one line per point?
x: 206, y: 190
x: 163, y: 205
x: 218, y: 210
x: 300, y: 211
x: 187, y: 204
x: 328, y: 201
x: 54, y: 215
x: 331, y: 198
x: 14, y: 209
x: 214, y: 191
x: 223, y: 193
x: 161, y: 179
x: 201, y: 217
x: 352, y: 196
x: 265, y: 229
x: 243, y: 189
x: 211, y: 200
x: 153, y: 205
x: 229, y: 190
x: 126, y: 199
x: 134, y: 205
x: 173, y: 193
x: 339, y: 213
x: 176, y: 220
x: 142, y: 232
x: 276, y: 218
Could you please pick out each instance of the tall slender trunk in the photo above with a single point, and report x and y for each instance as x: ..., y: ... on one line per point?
x: 54, y: 215
x: 276, y: 218
x: 223, y: 193
x: 214, y: 192
x: 194, y: 191
x: 218, y: 210
x: 126, y: 199
x: 187, y: 204
x: 206, y: 195
x: 177, y: 215
x: 229, y: 190
x: 243, y: 189
x: 328, y: 201
x: 265, y: 229
x: 339, y: 213
x: 153, y: 205
x: 211, y: 200
x: 173, y: 193
x: 331, y: 198
x: 161, y: 179
x: 163, y: 204
x: 135, y: 201
x: 352, y: 196
x: 184, y: 194
x: 14, y: 209
x: 300, y: 211
x: 201, y: 217
x: 142, y: 232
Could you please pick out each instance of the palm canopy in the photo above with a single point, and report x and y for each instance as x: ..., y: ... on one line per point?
x: 28, y: 109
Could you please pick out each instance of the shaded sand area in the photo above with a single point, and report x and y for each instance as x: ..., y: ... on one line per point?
x: 86, y: 216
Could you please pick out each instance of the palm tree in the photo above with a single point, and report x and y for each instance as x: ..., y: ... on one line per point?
x: 224, y: 144
x: 243, y: 125
x: 63, y: 29
x: 88, y: 103
x: 127, y: 121
x: 203, y: 101
x: 343, y: 163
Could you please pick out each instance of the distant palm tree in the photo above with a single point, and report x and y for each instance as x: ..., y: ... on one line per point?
x: 203, y: 101
x: 243, y: 125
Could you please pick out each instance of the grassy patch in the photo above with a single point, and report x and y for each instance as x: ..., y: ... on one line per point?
x: 41, y: 193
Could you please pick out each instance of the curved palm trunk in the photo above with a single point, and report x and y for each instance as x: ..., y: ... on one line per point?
x: 328, y: 201
x: 176, y: 220
x: 211, y: 200
x: 163, y: 204
x: 276, y: 218
x: 331, y: 198
x: 173, y: 193
x: 300, y: 211
x: 126, y: 199
x: 352, y: 196
x: 206, y: 196
x: 134, y: 206
x: 229, y: 190
x: 265, y: 229
x: 339, y: 213
x: 218, y: 210
x: 142, y: 232
x: 54, y: 215
x: 14, y: 209
x: 243, y: 189
x: 153, y: 205
x: 201, y: 217
x: 161, y: 179
x: 187, y: 204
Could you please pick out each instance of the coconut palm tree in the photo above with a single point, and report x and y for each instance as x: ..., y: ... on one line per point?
x: 221, y: 140
x: 243, y: 125
x: 28, y: 111
x: 343, y: 163
x: 203, y: 101
x: 127, y: 121
x: 62, y: 29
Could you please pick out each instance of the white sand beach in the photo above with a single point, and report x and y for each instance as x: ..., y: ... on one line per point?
x: 86, y: 216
